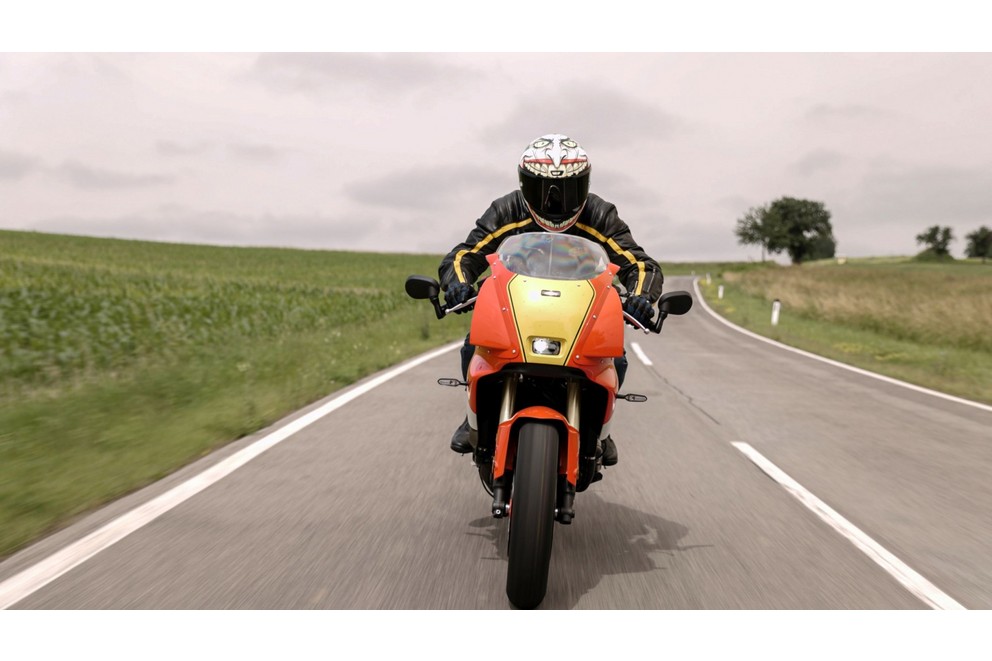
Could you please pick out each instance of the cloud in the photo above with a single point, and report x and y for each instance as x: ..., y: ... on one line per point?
x: 85, y: 177
x: 242, y: 151
x: 667, y: 240
x: 928, y: 194
x: 170, y: 148
x: 738, y: 204
x: 892, y: 204
x: 819, y: 160
x: 254, y: 152
x: 390, y: 73
x: 94, y: 66
x: 15, y: 166
x: 622, y: 189
x: 600, y: 115
x: 825, y: 112
x: 433, y: 188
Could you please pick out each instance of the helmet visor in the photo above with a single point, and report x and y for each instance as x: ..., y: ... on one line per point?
x: 555, y: 199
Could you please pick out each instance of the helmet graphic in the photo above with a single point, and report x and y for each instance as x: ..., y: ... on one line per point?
x: 554, y: 179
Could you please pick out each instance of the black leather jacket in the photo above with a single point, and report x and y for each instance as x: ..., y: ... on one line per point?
x: 598, y: 221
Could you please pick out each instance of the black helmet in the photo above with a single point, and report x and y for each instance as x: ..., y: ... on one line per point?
x: 554, y: 178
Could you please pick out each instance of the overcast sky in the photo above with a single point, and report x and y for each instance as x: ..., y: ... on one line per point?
x: 403, y: 152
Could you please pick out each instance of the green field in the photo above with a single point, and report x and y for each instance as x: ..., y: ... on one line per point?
x: 925, y: 323
x: 121, y: 361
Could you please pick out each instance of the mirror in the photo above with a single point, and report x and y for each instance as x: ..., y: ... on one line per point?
x: 675, y: 302
x: 421, y: 286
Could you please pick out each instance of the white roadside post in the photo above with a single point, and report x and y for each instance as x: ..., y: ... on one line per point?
x: 719, y: 292
x: 708, y: 281
x: 776, y: 308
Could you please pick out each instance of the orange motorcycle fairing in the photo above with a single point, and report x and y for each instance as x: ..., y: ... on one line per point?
x: 601, y: 339
x: 492, y: 322
x: 602, y: 334
x: 568, y: 455
x: 493, y: 331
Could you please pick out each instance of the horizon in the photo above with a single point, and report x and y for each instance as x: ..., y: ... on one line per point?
x: 780, y: 259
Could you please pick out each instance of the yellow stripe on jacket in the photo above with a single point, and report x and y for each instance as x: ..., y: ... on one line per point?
x: 620, y: 251
x: 482, y: 244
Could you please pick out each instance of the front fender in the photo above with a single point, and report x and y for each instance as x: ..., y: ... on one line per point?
x: 568, y: 454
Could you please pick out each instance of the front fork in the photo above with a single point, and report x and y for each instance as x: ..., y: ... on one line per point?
x: 500, y: 487
x: 566, y: 490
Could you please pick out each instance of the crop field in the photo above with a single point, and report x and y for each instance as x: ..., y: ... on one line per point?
x: 925, y: 323
x: 121, y: 361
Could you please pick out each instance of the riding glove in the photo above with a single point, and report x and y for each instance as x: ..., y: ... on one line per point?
x: 639, y: 307
x: 458, y: 293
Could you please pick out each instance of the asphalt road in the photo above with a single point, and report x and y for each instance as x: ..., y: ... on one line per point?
x: 367, y: 508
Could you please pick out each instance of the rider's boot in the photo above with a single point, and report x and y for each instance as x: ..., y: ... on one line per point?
x: 459, y: 440
x: 609, y: 452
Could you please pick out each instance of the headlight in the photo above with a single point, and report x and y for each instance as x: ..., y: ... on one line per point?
x: 545, y: 347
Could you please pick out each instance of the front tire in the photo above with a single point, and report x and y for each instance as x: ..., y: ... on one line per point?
x: 532, y: 514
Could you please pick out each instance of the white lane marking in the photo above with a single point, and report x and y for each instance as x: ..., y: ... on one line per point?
x: 38, y: 576
x: 926, y: 591
x: 640, y: 353
x: 874, y: 375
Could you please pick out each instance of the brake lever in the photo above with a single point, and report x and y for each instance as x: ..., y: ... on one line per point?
x: 630, y: 319
x: 461, y: 306
x: 652, y: 328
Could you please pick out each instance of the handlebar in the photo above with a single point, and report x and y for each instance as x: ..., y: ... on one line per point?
x: 423, y: 287
x: 650, y: 328
x: 630, y: 319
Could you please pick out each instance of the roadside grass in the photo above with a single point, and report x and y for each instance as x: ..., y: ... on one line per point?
x: 121, y: 361
x: 924, y: 323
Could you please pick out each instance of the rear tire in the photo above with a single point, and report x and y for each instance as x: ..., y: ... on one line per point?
x: 532, y: 514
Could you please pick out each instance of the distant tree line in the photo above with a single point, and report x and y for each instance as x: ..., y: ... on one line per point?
x: 802, y: 229
x: 938, y: 239
x: 799, y: 227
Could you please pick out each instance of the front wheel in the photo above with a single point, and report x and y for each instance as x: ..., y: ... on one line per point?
x: 532, y: 514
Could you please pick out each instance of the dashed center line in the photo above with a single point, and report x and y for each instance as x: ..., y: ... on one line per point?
x: 640, y: 353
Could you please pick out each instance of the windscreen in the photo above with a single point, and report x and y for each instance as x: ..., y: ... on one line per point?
x: 555, y: 256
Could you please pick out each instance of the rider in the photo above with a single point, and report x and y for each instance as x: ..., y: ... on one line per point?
x: 553, y: 197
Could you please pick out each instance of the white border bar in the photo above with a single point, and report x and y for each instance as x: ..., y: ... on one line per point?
x: 874, y: 375
x: 38, y: 576
x: 926, y: 591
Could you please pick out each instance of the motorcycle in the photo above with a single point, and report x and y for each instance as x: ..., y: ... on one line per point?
x: 547, y: 324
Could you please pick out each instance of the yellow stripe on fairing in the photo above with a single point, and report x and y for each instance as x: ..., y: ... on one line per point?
x: 620, y: 251
x: 482, y: 244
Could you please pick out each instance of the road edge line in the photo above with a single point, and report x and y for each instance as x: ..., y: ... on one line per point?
x: 835, y: 363
x: 909, y: 578
x: 37, y: 576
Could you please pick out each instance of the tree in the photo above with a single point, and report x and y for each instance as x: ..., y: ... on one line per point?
x: 979, y: 243
x: 799, y: 227
x: 823, y: 246
x: 937, y: 240
x: 750, y: 230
